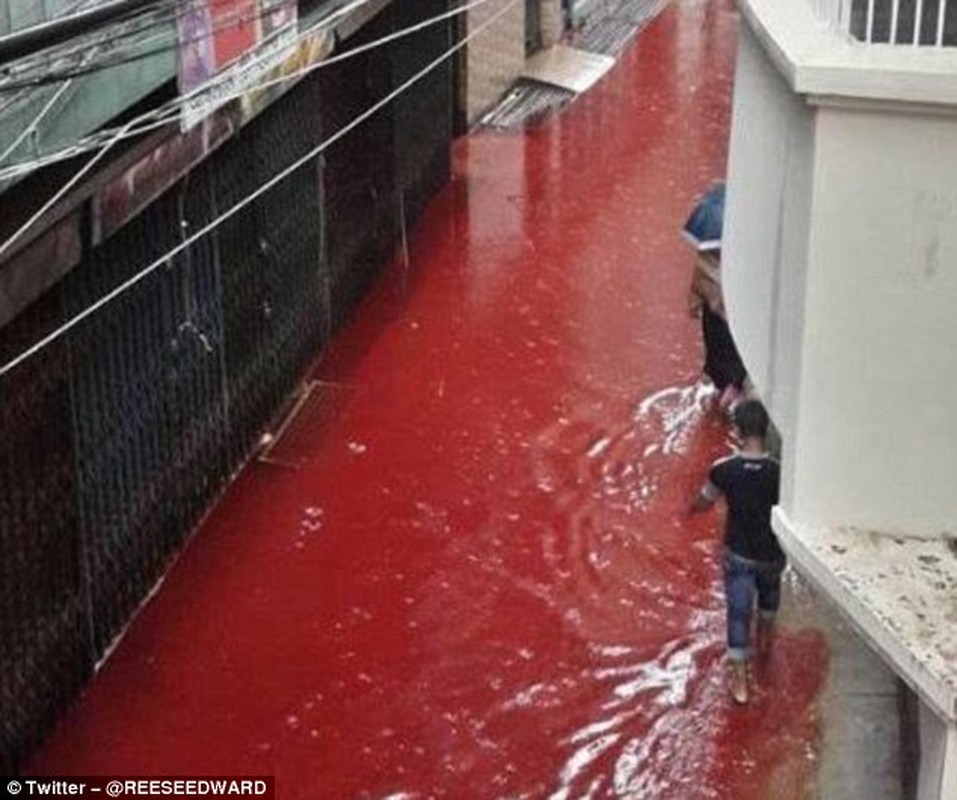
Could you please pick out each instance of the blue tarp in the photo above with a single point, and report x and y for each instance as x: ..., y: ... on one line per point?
x: 703, y: 228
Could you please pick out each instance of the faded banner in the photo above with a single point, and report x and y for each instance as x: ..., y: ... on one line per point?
x: 226, y: 46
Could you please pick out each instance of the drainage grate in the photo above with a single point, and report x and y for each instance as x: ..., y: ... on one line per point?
x: 611, y: 27
x: 298, y: 435
x: 528, y: 103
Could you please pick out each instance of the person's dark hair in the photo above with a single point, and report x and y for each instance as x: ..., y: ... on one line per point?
x: 751, y: 418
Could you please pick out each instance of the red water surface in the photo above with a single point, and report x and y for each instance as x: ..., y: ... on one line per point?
x: 480, y: 581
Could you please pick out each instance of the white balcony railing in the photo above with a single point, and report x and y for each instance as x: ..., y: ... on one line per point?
x: 926, y: 23
x: 833, y: 12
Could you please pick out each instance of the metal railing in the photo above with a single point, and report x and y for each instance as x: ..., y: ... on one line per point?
x: 832, y: 12
x: 928, y: 23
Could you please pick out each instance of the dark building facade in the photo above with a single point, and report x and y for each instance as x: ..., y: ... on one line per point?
x: 119, y: 435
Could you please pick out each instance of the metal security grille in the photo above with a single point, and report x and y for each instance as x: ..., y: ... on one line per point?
x: 147, y: 410
x: 359, y: 174
x: 611, y: 27
x: 45, y: 649
x: 527, y: 103
x: 276, y: 308
x: 423, y: 115
x: 119, y: 436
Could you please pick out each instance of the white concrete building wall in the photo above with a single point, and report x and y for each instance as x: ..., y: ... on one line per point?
x: 839, y: 251
x: 766, y: 235
x: 840, y: 275
x: 879, y: 427
x: 938, y: 779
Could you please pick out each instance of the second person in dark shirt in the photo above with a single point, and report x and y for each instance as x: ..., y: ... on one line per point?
x: 753, y: 559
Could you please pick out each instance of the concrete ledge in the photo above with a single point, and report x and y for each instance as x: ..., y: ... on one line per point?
x: 818, y: 60
x: 899, y: 594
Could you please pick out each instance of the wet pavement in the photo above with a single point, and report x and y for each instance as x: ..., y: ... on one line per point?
x: 467, y: 571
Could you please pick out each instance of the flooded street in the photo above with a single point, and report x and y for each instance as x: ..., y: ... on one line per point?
x: 466, y: 569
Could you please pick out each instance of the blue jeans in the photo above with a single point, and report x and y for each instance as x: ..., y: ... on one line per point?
x: 743, y: 579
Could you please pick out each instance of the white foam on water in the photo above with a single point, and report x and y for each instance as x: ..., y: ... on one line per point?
x: 593, y: 790
x: 671, y: 672
x: 630, y: 460
x: 611, y: 650
x: 580, y: 761
x: 598, y: 728
x: 599, y: 447
x: 668, y: 753
x: 528, y: 697
x: 677, y: 408
x: 652, y: 400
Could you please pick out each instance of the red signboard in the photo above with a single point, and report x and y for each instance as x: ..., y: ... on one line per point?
x: 235, y: 29
x: 236, y: 42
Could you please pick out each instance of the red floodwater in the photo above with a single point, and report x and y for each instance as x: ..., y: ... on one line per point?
x: 479, y: 582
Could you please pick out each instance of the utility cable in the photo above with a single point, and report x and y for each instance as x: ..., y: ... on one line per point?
x: 109, y: 137
x: 9, y: 102
x: 155, y: 14
x: 17, y: 89
x: 253, y: 196
x: 61, y: 192
x: 33, y: 126
x: 73, y: 14
x: 171, y: 111
x: 41, y: 115
x: 57, y: 66
x: 85, y: 169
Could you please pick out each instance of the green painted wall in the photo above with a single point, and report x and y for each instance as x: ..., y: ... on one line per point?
x: 15, y: 14
x: 86, y: 103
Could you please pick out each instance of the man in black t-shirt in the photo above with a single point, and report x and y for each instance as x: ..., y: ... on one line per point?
x: 753, y: 559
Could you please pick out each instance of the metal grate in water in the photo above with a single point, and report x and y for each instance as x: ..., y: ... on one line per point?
x: 613, y: 25
x: 528, y: 103
x: 296, y: 437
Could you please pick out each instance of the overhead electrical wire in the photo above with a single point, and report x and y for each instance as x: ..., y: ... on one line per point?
x: 35, y: 122
x: 158, y: 13
x: 105, y: 138
x: 85, y: 169
x: 253, y: 196
x: 56, y: 65
x: 72, y: 13
x: 50, y: 103
x: 49, y: 63
x: 148, y: 122
x: 170, y: 112
x: 229, y: 22
x: 161, y: 15
x: 9, y: 102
